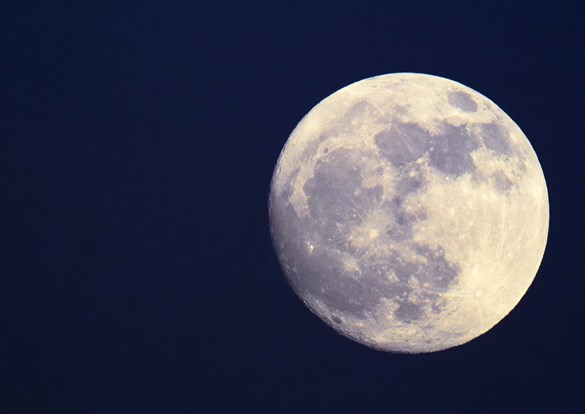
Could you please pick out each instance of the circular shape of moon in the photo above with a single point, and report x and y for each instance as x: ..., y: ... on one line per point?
x: 409, y: 212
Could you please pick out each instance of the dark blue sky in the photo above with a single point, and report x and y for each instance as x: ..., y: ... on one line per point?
x: 137, y: 143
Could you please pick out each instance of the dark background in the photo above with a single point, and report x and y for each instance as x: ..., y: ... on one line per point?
x: 137, y: 144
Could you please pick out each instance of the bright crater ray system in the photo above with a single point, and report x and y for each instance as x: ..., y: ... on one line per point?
x: 409, y: 212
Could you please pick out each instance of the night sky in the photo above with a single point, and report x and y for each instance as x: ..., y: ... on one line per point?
x: 137, y: 144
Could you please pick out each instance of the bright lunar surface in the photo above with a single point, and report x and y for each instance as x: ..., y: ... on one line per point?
x: 409, y: 212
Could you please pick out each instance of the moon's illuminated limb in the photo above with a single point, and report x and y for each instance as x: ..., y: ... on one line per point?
x: 409, y: 212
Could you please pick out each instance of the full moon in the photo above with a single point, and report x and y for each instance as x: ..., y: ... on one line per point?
x: 409, y: 212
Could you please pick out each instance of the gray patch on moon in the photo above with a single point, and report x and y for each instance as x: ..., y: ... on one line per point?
x: 432, y: 272
x: 403, y: 143
x: 319, y: 272
x: 496, y: 138
x: 323, y: 276
x: 375, y: 273
x: 335, y: 319
x: 401, y: 229
x: 338, y: 203
x: 408, y: 312
x: 463, y: 101
x: 336, y: 195
x: 339, y: 288
x: 438, y: 273
x: 407, y: 185
x: 451, y: 151
x: 360, y: 110
x: 502, y: 182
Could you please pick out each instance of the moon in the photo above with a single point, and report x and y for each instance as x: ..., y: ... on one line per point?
x: 409, y: 212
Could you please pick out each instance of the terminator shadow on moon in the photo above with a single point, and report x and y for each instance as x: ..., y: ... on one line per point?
x: 409, y: 212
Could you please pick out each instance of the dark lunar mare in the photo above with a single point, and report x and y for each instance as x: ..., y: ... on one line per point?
x: 462, y: 100
x: 449, y: 151
x: 496, y: 138
x: 318, y: 272
x: 402, y: 143
x: 337, y: 203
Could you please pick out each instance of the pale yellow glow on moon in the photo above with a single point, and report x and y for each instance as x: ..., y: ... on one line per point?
x: 476, y: 215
